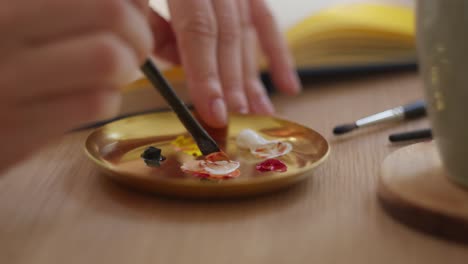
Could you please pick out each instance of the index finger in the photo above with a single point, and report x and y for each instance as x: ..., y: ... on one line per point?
x: 194, y: 23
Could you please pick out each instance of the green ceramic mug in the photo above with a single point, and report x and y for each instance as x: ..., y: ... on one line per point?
x: 442, y: 39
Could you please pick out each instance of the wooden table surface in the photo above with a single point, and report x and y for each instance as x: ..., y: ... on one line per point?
x: 57, y: 208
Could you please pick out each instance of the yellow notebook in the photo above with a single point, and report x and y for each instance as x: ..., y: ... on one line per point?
x: 354, y: 35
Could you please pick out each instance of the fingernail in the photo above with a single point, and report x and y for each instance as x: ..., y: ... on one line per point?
x: 238, y: 103
x: 219, y: 112
x: 295, y: 82
x: 264, y: 106
x: 267, y: 105
x: 243, y: 110
x: 126, y: 70
x: 110, y: 104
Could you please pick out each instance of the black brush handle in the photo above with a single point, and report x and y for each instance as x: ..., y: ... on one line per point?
x: 415, y: 110
x: 204, y: 141
x: 422, y: 134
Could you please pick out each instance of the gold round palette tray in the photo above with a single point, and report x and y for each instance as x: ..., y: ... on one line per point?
x: 116, y: 149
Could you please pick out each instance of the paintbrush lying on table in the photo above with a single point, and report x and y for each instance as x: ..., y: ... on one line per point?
x: 421, y: 134
x: 406, y: 112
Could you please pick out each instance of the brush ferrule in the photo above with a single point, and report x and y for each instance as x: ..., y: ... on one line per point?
x: 385, y: 116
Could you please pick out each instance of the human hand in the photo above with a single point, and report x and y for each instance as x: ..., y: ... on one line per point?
x: 215, y: 40
x: 61, y: 64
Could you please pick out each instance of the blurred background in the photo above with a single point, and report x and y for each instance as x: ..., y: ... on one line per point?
x: 289, y: 12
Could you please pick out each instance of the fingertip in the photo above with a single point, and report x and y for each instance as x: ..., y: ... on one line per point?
x: 109, y: 101
x: 288, y: 82
x: 243, y: 110
x: 218, y: 113
x: 237, y: 101
x: 214, y: 114
x: 268, y: 107
x: 111, y: 58
x: 294, y: 82
x: 146, y: 47
x: 262, y: 105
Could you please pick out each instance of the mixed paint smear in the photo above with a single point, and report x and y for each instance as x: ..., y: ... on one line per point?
x: 218, y: 166
x: 187, y: 145
x: 264, y: 149
x: 261, y: 147
x: 214, y: 166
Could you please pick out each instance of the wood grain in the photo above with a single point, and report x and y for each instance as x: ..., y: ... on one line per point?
x: 56, y: 208
x: 414, y: 188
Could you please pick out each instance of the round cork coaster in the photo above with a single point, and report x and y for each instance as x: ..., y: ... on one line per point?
x: 414, y: 189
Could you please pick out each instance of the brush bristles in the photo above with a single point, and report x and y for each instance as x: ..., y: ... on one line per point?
x: 343, y: 129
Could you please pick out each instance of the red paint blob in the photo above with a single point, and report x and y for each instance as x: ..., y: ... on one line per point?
x: 272, y: 165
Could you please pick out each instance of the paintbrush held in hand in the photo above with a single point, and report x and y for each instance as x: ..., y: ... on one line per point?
x: 204, y: 141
